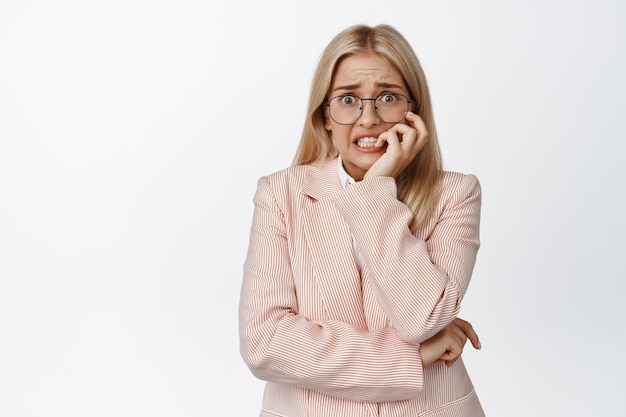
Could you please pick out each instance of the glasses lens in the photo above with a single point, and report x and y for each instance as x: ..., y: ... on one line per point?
x: 391, y: 108
x: 345, y: 110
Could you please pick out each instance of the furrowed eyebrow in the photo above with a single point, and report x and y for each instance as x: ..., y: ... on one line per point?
x: 388, y: 85
x: 347, y: 87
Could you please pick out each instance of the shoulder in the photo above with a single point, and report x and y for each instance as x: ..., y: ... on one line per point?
x: 286, y: 179
x: 286, y: 186
x: 316, y: 179
x: 453, y: 179
x: 455, y: 186
x: 292, y: 173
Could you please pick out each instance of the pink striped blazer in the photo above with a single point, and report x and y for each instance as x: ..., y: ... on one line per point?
x: 332, y: 341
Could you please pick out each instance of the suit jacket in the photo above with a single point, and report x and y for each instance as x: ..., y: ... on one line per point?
x: 332, y: 341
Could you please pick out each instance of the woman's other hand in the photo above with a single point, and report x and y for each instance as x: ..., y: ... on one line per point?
x: 447, y: 345
x: 404, y: 141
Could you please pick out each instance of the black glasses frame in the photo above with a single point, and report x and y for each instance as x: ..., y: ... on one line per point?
x: 361, y: 99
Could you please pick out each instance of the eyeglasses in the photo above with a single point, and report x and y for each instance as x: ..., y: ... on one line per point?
x: 348, y: 108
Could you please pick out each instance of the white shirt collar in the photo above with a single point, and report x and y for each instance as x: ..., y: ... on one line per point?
x: 344, y: 177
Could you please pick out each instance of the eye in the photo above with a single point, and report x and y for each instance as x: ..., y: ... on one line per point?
x: 388, y: 98
x: 348, y: 100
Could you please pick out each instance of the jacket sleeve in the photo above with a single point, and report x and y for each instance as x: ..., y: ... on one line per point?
x: 419, y: 283
x: 332, y: 357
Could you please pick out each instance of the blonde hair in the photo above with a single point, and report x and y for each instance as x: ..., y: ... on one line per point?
x: 418, y: 183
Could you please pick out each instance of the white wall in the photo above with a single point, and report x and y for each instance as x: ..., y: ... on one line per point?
x: 132, y: 134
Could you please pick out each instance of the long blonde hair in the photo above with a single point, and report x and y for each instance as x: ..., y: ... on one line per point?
x: 417, y: 184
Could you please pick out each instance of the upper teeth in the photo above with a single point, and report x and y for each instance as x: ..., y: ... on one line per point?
x: 366, y: 141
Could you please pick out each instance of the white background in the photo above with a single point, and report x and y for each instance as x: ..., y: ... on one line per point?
x: 132, y: 134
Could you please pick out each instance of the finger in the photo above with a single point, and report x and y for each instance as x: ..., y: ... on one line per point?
x: 407, y: 134
x: 457, y: 335
x: 420, y: 127
x: 393, y: 141
x: 451, y: 356
x: 382, y: 138
x: 469, y: 331
x: 455, y: 341
x: 416, y: 121
x: 451, y: 362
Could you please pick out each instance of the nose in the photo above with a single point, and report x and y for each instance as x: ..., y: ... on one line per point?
x: 369, y: 117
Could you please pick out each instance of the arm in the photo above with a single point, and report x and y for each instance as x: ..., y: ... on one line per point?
x: 419, y: 283
x: 332, y: 357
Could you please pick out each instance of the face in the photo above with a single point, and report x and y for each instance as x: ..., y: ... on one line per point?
x: 366, y: 76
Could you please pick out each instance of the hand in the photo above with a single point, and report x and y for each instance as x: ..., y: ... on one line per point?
x: 404, y: 141
x: 447, y: 345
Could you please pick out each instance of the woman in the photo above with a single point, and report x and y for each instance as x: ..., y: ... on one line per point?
x: 361, y: 252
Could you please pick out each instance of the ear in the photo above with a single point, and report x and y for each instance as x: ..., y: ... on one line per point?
x: 327, y: 124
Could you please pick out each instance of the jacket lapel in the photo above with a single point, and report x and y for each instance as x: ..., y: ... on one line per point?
x: 329, y: 243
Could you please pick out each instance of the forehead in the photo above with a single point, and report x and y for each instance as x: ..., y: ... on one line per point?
x: 366, y: 69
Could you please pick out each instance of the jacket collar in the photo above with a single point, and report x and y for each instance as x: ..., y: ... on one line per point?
x: 322, y: 180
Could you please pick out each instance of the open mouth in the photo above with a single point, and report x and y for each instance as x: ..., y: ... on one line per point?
x: 367, y: 142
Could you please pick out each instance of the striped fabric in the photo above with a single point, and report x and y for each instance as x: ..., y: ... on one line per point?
x: 333, y: 342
